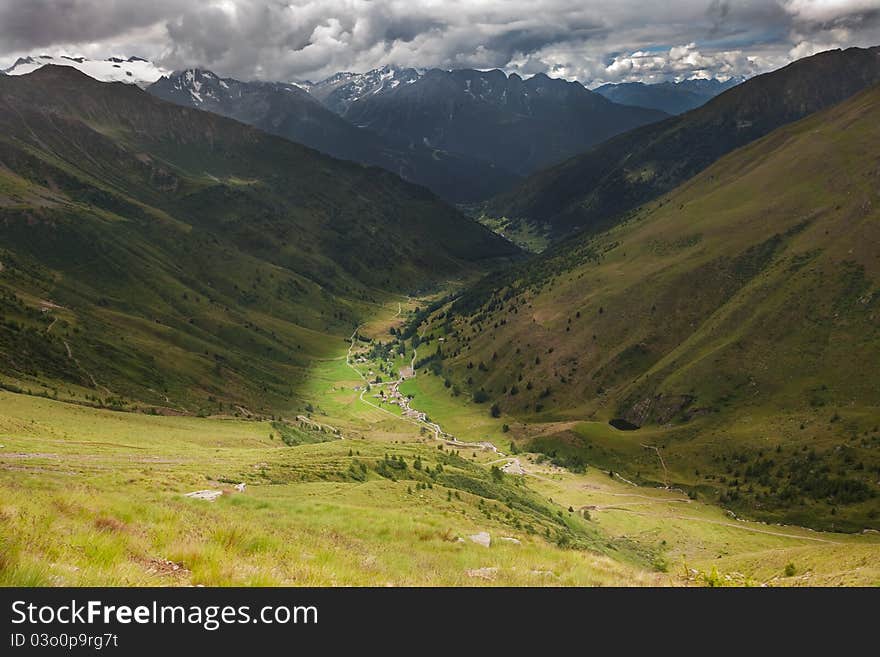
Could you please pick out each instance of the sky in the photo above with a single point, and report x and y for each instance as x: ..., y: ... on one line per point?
x: 594, y: 41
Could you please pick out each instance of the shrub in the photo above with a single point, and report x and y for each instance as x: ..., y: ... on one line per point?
x: 481, y: 396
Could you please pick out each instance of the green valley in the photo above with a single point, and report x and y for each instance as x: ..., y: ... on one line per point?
x: 162, y: 258
x: 364, y: 498
x: 229, y: 360
x: 729, y: 332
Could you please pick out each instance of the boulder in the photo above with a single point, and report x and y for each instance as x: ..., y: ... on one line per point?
x: 206, y: 495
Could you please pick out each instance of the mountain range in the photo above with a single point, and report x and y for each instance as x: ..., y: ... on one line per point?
x: 465, y: 134
x: 519, y: 125
x: 289, y: 111
x: 670, y: 97
x: 595, y: 189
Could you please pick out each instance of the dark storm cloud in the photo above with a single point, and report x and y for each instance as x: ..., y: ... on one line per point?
x: 587, y: 39
x: 29, y: 24
x: 718, y: 11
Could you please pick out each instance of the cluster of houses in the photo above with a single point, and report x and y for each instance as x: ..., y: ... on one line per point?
x: 397, y: 398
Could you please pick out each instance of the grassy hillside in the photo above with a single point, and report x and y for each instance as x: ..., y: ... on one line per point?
x: 356, y: 495
x: 104, y: 502
x: 158, y: 257
x: 735, y: 321
x: 592, y: 191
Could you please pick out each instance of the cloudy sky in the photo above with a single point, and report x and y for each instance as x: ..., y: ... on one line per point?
x: 590, y: 40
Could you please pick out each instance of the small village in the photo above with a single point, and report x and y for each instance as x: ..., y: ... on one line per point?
x: 395, y: 397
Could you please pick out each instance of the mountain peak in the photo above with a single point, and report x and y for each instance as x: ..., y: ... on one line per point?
x: 195, y: 87
x: 21, y: 61
x: 59, y: 72
x: 339, y: 91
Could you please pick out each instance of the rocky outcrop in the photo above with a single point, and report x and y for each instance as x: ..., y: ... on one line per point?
x: 659, y: 409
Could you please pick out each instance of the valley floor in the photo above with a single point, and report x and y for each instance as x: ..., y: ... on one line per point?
x: 350, y: 492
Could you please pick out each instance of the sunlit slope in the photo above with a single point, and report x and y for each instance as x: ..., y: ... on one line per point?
x: 737, y: 320
x: 93, y: 497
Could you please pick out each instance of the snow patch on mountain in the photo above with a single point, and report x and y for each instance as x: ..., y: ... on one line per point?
x: 131, y: 70
x: 206, y: 90
x: 339, y: 91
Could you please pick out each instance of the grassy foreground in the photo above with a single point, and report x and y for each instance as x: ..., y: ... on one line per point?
x: 94, y: 497
x: 356, y: 495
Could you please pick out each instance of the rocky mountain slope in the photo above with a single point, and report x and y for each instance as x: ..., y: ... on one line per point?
x: 339, y: 91
x: 519, y: 125
x: 288, y: 111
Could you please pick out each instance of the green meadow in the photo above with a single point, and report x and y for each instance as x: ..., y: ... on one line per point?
x: 359, y: 496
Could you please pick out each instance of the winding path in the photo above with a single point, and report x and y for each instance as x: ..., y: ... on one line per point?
x: 403, y: 400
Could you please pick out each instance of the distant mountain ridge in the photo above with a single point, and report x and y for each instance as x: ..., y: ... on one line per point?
x: 669, y: 97
x: 339, y: 91
x: 521, y: 125
x: 289, y: 111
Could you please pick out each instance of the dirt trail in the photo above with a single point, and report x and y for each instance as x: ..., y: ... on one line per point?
x: 662, y: 463
x: 95, y: 384
x: 171, y: 405
x: 622, y: 506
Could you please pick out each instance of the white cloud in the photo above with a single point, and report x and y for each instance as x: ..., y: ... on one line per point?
x: 590, y: 40
x: 684, y: 62
x: 830, y: 11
